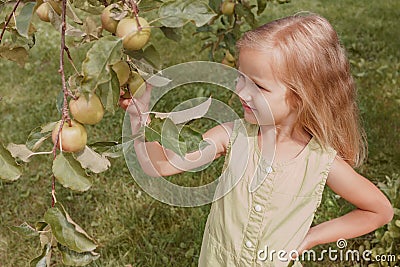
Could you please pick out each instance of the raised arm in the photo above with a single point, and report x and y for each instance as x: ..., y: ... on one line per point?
x: 372, y: 211
x: 157, y: 161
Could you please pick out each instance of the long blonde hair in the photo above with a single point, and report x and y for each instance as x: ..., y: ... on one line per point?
x: 309, y: 60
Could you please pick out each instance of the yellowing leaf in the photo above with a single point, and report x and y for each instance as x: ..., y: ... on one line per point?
x: 17, y: 54
x: 20, y: 151
x: 92, y: 160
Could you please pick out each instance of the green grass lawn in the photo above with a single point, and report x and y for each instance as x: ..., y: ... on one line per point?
x: 131, y: 227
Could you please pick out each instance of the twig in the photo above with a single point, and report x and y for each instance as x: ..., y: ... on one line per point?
x: 9, y: 19
x: 65, y: 115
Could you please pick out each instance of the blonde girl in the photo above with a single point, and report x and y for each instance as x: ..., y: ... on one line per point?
x: 303, y: 102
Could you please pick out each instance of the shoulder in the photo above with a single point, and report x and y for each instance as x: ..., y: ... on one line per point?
x: 220, y: 136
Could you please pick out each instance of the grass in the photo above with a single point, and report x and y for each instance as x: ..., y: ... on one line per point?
x: 131, y: 227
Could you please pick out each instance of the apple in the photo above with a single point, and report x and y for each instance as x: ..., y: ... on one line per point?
x: 122, y: 70
x: 43, y: 12
x: 136, y: 85
x: 73, y: 138
x: 107, y: 22
x: 133, y: 37
x: 87, y: 111
x: 229, y: 59
x: 227, y: 8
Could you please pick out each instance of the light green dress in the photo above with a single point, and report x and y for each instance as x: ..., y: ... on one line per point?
x: 275, y: 216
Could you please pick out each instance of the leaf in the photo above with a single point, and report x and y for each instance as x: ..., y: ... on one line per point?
x: 93, y: 161
x: 174, y: 34
x: 42, y: 259
x: 261, y: 5
x: 17, y: 54
x: 20, y: 151
x: 176, y: 13
x: 9, y: 170
x: 96, y: 66
x: 69, y: 173
x: 215, y: 5
x: 72, y: 258
x: 149, y: 56
x: 66, y: 232
x: 60, y: 102
x: 38, y: 135
x: 56, y: 21
x: 109, y: 93
x: 23, y: 20
x: 186, y: 115
x: 193, y: 138
x: 71, y: 14
x: 25, y: 230
x: 168, y: 138
x: 113, y: 149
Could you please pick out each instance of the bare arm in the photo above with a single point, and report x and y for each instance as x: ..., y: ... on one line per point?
x: 373, y: 208
x: 157, y: 161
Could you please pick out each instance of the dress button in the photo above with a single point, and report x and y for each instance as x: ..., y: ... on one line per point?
x: 249, y: 244
x: 257, y: 208
x: 268, y: 169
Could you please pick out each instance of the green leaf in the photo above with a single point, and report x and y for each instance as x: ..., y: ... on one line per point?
x: 168, y: 138
x: 96, y: 66
x: 109, y: 93
x: 261, y: 5
x: 72, y: 258
x: 60, y: 102
x: 23, y: 20
x: 215, y: 5
x: 67, y: 232
x: 193, y: 138
x: 69, y: 173
x: 93, y: 161
x: 9, y: 170
x: 17, y: 54
x: 25, y: 230
x: 42, y: 259
x: 38, y: 135
x: 151, y: 55
x: 174, y: 34
x: 176, y: 13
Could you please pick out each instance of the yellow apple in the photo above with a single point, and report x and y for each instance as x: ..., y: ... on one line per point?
x: 73, y: 138
x: 136, y: 85
x: 133, y: 37
x: 43, y: 12
x: 87, y: 111
x: 227, y: 8
x: 229, y: 59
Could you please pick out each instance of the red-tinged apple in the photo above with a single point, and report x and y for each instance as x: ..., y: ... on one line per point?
x: 73, y: 138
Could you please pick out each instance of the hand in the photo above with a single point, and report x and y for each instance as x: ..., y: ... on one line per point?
x: 307, y: 243
x: 141, y: 104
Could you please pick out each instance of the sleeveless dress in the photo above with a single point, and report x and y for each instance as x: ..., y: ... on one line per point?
x: 244, y: 225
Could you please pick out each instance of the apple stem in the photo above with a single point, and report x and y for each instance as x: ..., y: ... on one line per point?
x: 9, y: 19
x: 135, y: 10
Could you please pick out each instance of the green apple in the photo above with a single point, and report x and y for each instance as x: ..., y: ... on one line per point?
x: 73, y: 138
x: 87, y: 111
x: 133, y: 37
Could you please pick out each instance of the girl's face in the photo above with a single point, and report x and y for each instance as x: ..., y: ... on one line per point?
x: 263, y: 98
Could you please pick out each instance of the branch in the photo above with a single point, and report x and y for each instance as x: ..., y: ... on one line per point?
x: 9, y: 19
x: 65, y: 114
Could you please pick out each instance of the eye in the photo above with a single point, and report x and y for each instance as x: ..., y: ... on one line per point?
x: 262, y: 88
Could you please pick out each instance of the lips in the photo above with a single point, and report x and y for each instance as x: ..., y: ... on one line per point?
x: 245, y: 106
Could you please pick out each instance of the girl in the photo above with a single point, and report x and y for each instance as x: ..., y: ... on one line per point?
x: 299, y: 69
